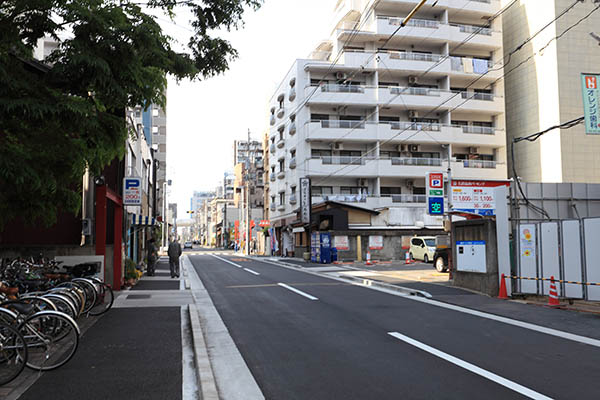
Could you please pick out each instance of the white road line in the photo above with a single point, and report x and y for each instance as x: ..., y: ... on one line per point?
x: 509, y: 321
x: 301, y: 293
x: 252, y: 272
x: 227, y: 261
x: 473, y: 368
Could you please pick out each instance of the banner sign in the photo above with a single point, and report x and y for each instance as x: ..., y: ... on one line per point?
x: 341, y: 242
x: 132, y: 191
x: 375, y: 242
x: 264, y: 223
x: 435, y: 193
x: 474, y: 196
x: 591, y: 99
x: 305, y: 200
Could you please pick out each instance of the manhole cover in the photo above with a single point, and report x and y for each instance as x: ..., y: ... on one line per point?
x: 138, y: 296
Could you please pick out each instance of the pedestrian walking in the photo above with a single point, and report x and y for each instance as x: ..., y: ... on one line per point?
x: 174, y: 253
x: 151, y: 256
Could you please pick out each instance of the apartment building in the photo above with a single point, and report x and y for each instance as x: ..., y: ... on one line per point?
x: 545, y: 90
x: 247, y: 150
x: 367, y: 123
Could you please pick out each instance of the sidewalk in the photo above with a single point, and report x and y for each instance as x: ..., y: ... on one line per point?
x: 138, y: 350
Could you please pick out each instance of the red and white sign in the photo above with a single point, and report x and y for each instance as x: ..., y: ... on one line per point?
x: 341, y: 242
x: 474, y: 196
x: 436, y: 180
x: 375, y: 242
x: 591, y: 82
x: 264, y: 223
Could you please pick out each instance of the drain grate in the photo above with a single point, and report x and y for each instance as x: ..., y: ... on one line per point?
x: 138, y: 296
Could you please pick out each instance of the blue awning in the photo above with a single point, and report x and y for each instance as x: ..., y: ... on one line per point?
x: 143, y: 220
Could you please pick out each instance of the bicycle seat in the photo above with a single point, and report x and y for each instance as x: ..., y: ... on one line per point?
x: 19, y: 307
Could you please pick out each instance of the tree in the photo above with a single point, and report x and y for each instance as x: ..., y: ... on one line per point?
x: 67, y: 114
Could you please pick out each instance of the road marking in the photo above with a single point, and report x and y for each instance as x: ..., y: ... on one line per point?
x: 252, y: 272
x: 300, y: 292
x: 227, y: 261
x: 525, y: 325
x: 473, y: 368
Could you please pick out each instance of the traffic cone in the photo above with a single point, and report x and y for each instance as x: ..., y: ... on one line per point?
x: 407, y: 258
x: 553, y: 295
x: 368, y: 259
x: 502, y: 293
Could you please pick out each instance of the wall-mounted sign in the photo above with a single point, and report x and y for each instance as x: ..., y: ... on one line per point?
x: 375, y: 242
x: 475, y: 196
x: 471, y: 256
x: 435, y: 193
x: 435, y: 205
x: 264, y: 223
x: 132, y: 191
x: 305, y: 200
x: 591, y: 99
x: 341, y: 242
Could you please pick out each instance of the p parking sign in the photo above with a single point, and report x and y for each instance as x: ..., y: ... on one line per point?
x: 132, y: 191
x: 435, y: 193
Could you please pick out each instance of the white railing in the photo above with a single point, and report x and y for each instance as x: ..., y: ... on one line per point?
x: 273, y: 207
x: 281, y: 175
x: 478, y: 30
x: 407, y: 198
x: 281, y: 143
x: 415, y: 91
x: 272, y: 177
x: 403, y: 55
x: 417, y: 161
x: 293, y: 199
x: 341, y: 124
x: 340, y: 160
x: 293, y: 163
x: 478, y: 163
x: 415, y: 126
x: 347, y: 198
x: 415, y: 22
x: 272, y: 148
x: 480, y: 130
x: 335, y: 88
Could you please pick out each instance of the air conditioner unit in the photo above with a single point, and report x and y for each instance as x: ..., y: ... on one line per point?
x: 362, y: 182
x: 414, y: 148
x: 340, y: 75
x: 337, y: 146
x: 413, y: 114
x: 473, y: 150
x: 402, y: 147
x: 413, y: 80
x: 409, y: 184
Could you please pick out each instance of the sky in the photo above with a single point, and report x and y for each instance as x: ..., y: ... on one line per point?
x: 204, y: 118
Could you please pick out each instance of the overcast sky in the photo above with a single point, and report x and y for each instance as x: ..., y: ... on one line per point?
x: 204, y: 118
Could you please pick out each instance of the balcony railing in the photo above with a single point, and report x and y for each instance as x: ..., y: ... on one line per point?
x: 293, y: 163
x: 293, y: 199
x: 479, y: 65
x: 272, y: 177
x: 280, y: 143
x: 341, y: 124
x: 330, y: 87
x: 272, y: 148
x: 281, y: 175
x: 341, y: 160
x: 415, y: 22
x: 478, y: 30
x: 281, y: 207
x: 479, y: 163
x: 273, y: 207
x: 407, y: 198
x: 415, y: 126
x: 415, y: 91
x: 408, y: 56
x: 348, y: 198
x: 480, y: 130
x: 292, y: 129
x: 434, y: 162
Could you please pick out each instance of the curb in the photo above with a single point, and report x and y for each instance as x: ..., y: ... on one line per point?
x: 204, y: 372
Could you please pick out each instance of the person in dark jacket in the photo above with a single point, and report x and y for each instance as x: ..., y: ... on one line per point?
x: 174, y: 253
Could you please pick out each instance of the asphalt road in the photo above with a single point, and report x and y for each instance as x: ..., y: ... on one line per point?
x: 349, y: 342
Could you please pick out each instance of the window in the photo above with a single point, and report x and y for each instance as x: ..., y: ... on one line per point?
x: 389, y: 154
x: 418, y: 190
x: 388, y: 84
x: 460, y: 123
x: 316, y: 82
x: 293, y: 153
x: 322, y: 190
x: 281, y: 165
x: 155, y: 112
x: 350, y: 153
x: 386, y: 190
x: 416, y: 242
x: 273, y: 169
x: 352, y: 190
x: 319, y: 117
x: 388, y: 119
x: 426, y: 155
x: 280, y: 130
x: 272, y: 199
x: 281, y: 103
x: 320, y: 153
x: 282, y: 198
x: 293, y: 190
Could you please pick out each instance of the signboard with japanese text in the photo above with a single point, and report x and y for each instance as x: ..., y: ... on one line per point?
x: 305, y: 200
x: 132, y: 191
x: 341, y: 242
x: 375, y: 242
x: 435, y: 193
x: 591, y: 99
x: 475, y: 196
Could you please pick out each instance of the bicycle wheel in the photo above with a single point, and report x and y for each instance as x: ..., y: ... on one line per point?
x: 63, y: 304
x: 91, y: 295
x: 105, y: 300
x: 13, y: 353
x: 52, y: 339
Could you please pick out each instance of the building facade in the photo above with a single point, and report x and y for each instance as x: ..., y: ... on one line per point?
x: 546, y: 89
x: 367, y: 124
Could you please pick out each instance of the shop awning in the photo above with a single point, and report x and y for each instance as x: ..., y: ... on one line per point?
x: 143, y: 220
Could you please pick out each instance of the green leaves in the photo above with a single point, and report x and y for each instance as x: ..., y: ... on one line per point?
x: 51, y: 127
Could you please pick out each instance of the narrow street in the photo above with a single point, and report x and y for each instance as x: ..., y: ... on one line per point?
x: 321, y: 339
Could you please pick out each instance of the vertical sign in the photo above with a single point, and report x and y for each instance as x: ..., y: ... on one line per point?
x: 435, y: 193
x: 305, y: 200
x: 132, y: 191
x: 591, y: 96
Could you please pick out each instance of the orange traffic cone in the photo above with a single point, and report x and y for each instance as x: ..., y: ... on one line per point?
x: 502, y: 293
x: 407, y: 259
x: 368, y: 259
x: 553, y: 295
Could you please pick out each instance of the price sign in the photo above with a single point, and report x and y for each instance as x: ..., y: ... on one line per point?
x: 475, y: 197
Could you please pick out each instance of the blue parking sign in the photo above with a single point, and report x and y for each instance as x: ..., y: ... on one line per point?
x: 436, y: 206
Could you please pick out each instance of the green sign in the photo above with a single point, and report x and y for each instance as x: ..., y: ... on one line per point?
x: 591, y: 100
x: 433, y: 192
